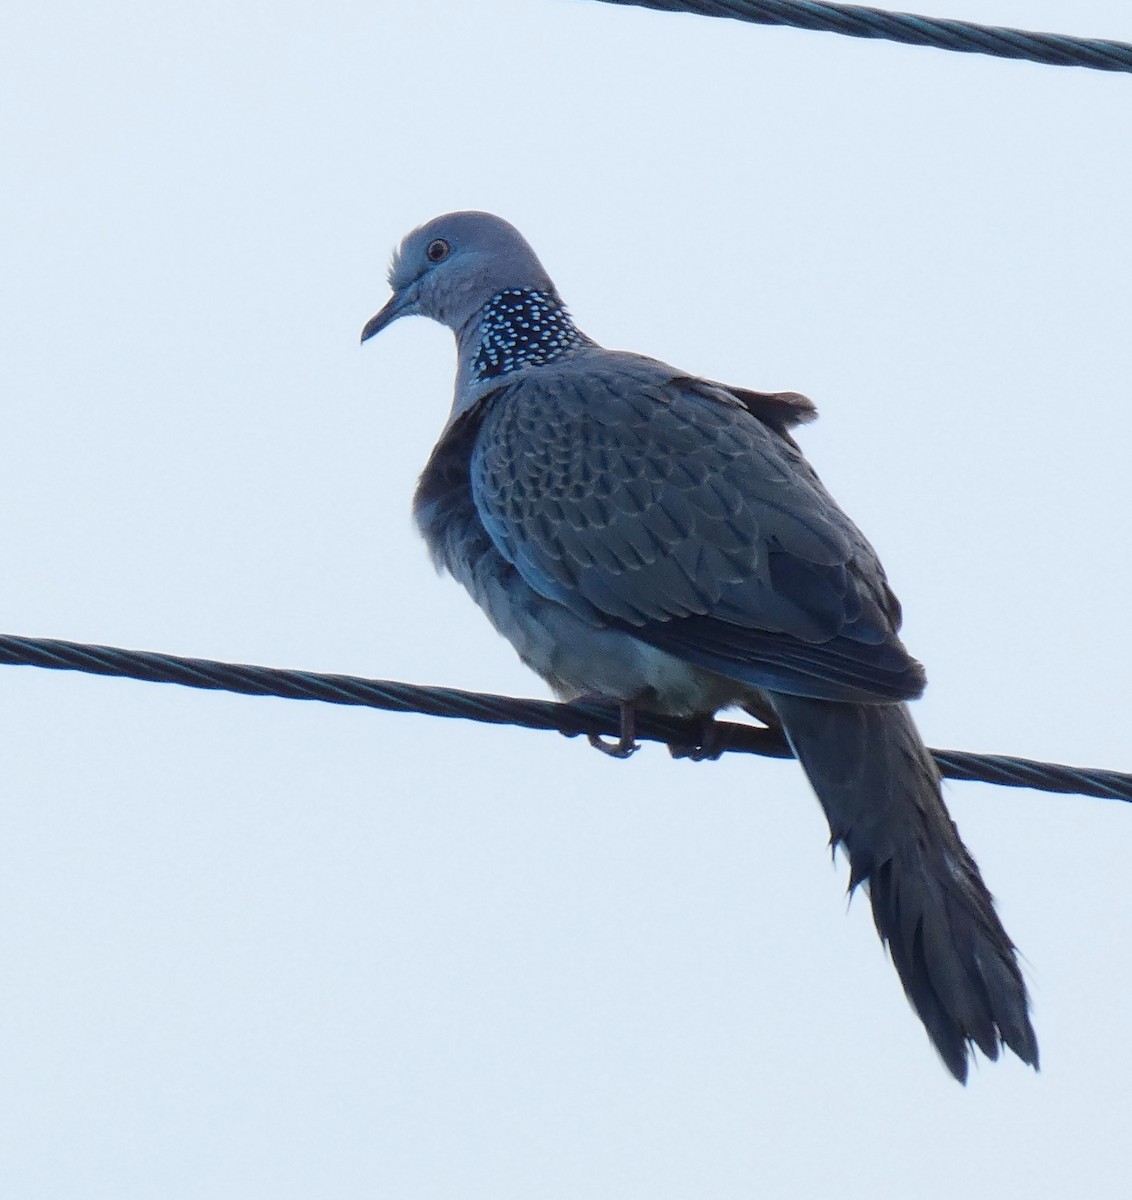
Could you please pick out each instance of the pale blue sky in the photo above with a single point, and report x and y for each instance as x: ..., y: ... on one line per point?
x: 258, y: 948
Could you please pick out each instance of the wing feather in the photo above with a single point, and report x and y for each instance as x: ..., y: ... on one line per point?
x: 642, y: 499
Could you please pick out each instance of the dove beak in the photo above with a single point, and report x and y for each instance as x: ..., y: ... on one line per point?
x: 400, y: 304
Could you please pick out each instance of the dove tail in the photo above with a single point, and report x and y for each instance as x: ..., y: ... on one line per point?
x: 881, y: 794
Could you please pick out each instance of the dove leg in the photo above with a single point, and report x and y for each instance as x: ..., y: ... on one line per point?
x: 627, y: 744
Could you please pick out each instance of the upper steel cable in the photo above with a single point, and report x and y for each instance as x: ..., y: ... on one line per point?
x: 1053, y: 49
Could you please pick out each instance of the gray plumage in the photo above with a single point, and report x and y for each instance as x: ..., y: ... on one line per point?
x: 659, y: 540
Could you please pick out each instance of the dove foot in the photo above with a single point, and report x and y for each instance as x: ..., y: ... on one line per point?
x: 709, y: 746
x: 627, y: 745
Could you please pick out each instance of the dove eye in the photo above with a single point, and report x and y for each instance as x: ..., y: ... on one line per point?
x: 437, y: 250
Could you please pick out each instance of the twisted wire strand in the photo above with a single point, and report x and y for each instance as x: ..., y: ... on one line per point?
x: 965, y: 37
x: 569, y: 719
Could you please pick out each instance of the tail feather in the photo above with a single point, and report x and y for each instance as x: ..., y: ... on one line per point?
x: 881, y: 794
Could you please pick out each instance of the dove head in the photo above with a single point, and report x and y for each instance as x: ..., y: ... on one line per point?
x: 450, y: 268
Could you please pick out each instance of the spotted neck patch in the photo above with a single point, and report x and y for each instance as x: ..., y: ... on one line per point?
x: 522, y: 327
